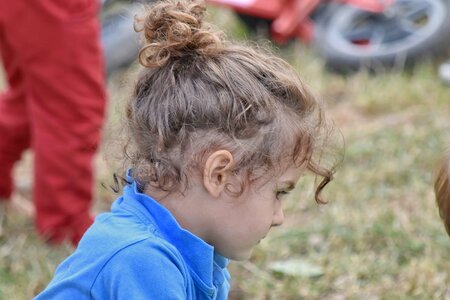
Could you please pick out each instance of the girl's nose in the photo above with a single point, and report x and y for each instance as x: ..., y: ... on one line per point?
x: 278, y: 217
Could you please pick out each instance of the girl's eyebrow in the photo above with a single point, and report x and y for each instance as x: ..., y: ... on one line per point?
x: 288, y: 185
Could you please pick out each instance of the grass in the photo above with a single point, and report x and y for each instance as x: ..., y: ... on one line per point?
x: 379, y: 237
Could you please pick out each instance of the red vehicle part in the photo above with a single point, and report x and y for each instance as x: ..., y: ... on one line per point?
x: 291, y: 17
x: 375, y: 6
x: 266, y: 9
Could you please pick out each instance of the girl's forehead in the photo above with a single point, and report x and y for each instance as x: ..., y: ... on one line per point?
x: 292, y: 174
x: 288, y: 176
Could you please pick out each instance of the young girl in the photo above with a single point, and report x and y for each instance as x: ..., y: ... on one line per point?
x: 442, y: 191
x: 218, y: 135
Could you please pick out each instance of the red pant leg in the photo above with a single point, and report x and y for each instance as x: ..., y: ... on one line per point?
x: 60, y: 45
x: 14, y: 129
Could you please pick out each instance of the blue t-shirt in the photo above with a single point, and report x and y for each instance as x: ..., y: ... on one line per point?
x: 139, y: 251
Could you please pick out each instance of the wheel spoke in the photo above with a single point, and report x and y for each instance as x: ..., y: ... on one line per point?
x: 416, y: 11
x: 411, y: 17
x: 408, y: 27
x: 378, y: 38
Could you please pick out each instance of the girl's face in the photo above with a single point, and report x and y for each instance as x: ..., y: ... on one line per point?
x: 240, y: 223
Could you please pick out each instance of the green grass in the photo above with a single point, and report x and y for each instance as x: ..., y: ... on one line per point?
x: 379, y: 237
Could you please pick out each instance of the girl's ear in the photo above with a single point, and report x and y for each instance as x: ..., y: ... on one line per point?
x: 217, y: 172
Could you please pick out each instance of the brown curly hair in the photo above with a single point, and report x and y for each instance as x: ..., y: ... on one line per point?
x: 442, y: 191
x: 199, y: 93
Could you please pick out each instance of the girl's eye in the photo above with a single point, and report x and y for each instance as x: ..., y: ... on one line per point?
x: 282, y: 194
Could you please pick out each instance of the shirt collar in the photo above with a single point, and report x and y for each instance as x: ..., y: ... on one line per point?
x: 198, y: 255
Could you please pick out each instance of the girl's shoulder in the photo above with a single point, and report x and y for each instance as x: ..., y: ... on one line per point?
x: 119, y: 266
x: 147, y: 269
x: 115, y: 238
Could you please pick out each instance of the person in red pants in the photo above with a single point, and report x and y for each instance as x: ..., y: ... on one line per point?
x: 54, y: 103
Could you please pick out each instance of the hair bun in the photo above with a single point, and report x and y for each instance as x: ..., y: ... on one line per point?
x: 173, y: 29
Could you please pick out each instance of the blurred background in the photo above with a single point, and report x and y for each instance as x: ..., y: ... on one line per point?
x: 379, y: 236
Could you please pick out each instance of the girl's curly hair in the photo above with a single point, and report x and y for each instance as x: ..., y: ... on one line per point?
x: 199, y: 93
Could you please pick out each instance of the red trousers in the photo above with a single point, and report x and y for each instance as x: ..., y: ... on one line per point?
x: 54, y: 103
